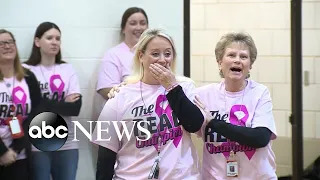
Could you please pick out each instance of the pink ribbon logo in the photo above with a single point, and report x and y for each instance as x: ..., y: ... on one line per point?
x: 57, y: 84
x: 159, y: 110
x: 241, y: 112
x: 19, y: 97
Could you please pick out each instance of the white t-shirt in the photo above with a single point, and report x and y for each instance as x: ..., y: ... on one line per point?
x: 179, y: 159
x: 57, y: 82
x: 19, y: 90
x: 254, y: 107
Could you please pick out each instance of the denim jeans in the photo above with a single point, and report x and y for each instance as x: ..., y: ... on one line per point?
x: 61, y: 165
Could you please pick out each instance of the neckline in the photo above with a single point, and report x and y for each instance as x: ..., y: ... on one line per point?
x: 233, y: 94
x: 149, y: 86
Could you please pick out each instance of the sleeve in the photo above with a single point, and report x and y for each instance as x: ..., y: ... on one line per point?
x: 109, y: 71
x: 192, y: 92
x: 189, y: 115
x: 105, y: 134
x: 105, y: 164
x: 74, y: 86
x: 3, y: 148
x: 263, y: 116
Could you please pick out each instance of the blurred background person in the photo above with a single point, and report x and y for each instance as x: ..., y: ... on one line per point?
x: 117, y: 61
x: 58, y: 82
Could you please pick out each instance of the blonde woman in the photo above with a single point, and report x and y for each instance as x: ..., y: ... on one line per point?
x: 153, y: 94
x: 237, y: 139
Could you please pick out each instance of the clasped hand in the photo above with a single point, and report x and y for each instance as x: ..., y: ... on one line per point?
x: 163, y: 74
x: 8, y: 158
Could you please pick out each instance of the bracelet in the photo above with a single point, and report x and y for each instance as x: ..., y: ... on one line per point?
x: 172, y: 87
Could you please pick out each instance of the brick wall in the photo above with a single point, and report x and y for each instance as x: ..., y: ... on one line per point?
x: 268, y: 21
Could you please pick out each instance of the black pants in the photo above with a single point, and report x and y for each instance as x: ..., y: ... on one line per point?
x: 16, y: 171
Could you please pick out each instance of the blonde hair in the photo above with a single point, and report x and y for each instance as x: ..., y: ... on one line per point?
x: 141, y: 46
x: 238, y: 37
x: 232, y: 37
x: 18, y: 69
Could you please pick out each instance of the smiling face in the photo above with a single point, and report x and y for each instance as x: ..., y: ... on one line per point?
x: 8, y: 50
x: 135, y: 26
x: 235, y: 63
x: 159, y: 50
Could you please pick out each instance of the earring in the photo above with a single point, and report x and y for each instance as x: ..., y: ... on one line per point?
x: 220, y: 73
x: 248, y: 76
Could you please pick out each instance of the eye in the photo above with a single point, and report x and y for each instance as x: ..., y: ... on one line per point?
x: 244, y: 57
x: 132, y: 23
x: 231, y: 55
x: 143, y: 23
x: 167, y: 54
x: 155, y: 54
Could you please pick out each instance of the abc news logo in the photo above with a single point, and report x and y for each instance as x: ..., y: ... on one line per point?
x: 49, y: 131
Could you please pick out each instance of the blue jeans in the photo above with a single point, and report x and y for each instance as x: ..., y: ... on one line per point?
x: 62, y: 165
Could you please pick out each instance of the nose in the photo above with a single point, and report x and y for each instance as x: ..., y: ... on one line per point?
x: 6, y: 45
x: 162, y: 59
x: 140, y: 27
x: 237, y: 60
x: 54, y: 41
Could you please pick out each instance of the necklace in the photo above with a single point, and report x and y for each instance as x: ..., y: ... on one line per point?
x: 10, y: 92
x: 154, y: 173
x: 239, y: 114
x: 44, y: 77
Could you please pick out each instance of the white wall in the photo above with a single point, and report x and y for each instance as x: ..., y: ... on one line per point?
x: 88, y: 28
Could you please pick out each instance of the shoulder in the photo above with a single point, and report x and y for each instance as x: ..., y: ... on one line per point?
x: 29, y: 76
x: 212, y: 87
x: 185, y: 82
x: 116, y: 50
x: 27, y: 66
x: 66, y: 67
x: 124, y: 97
x: 258, y: 88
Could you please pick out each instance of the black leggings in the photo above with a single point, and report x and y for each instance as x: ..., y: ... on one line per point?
x: 16, y: 171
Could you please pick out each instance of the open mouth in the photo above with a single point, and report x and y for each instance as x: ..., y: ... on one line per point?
x: 138, y: 34
x: 236, y: 69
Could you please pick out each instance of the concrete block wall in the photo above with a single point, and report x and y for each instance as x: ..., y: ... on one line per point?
x: 268, y: 21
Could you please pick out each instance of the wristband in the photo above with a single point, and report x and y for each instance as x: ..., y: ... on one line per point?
x: 172, y: 87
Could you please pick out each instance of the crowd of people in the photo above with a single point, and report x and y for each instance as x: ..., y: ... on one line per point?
x: 233, y: 118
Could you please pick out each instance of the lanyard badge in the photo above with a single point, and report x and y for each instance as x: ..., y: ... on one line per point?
x: 154, y: 173
x: 232, y: 165
x: 15, y: 124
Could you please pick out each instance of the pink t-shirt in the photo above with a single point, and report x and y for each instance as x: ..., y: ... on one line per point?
x: 179, y: 159
x: 57, y: 82
x: 21, y: 102
x: 115, y: 66
x: 254, y: 106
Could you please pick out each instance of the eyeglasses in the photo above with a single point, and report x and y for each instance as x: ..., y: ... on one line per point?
x: 10, y: 43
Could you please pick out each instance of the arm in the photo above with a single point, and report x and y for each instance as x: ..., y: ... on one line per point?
x: 189, y: 115
x: 104, y: 92
x: 109, y: 74
x: 35, y: 96
x: 107, y: 140
x: 3, y: 148
x: 262, y: 130
x: 105, y: 164
x: 254, y: 137
x: 67, y: 108
x: 63, y: 108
